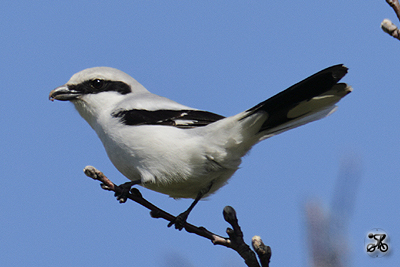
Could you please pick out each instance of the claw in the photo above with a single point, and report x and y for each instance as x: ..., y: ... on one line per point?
x: 123, y: 191
x: 179, y: 221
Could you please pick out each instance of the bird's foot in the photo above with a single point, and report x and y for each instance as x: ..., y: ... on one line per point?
x: 180, y: 221
x: 124, y: 190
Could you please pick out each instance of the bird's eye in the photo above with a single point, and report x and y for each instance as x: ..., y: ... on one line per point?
x: 97, y: 83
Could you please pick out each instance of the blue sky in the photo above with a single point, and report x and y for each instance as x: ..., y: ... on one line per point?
x: 218, y: 56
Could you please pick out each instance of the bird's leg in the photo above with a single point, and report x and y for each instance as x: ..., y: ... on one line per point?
x: 180, y: 220
x: 122, y: 191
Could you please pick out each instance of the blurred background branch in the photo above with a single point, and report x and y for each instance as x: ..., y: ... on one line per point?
x: 327, y: 228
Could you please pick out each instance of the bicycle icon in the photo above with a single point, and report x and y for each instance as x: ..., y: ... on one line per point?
x: 379, y: 244
x: 378, y: 248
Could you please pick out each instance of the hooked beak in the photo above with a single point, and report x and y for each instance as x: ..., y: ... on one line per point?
x: 64, y: 93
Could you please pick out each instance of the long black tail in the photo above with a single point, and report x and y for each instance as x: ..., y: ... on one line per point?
x: 311, y: 99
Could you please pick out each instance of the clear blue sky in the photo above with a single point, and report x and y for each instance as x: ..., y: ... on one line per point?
x: 220, y: 56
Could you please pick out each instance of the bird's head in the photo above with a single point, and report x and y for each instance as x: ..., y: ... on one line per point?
x: 96, y: 89
x: 102, y: 81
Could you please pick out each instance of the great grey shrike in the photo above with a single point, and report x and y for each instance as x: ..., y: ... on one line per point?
x: 181, y: 151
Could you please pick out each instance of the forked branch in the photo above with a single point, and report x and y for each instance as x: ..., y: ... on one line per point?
x: 234, y: 241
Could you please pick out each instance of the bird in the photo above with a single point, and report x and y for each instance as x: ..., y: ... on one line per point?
x: 181, y: 151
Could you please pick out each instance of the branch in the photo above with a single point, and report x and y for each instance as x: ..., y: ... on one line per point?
x: 236, y: 237
x: 234, y: 241
x: 388, y: 26
x: 391, y: 29
x: 263, y: 251
x: 395, y: 5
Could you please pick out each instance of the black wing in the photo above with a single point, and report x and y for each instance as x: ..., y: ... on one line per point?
x: 178, y: 118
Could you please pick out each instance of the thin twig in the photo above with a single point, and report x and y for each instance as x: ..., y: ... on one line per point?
x: 396, y: 6
x: 388, y: 26
x: 156, y: 212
